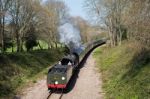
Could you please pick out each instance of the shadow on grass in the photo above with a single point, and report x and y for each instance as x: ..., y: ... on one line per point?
x: 139, y: 61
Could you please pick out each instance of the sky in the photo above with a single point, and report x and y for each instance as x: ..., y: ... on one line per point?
x: 76, y: 7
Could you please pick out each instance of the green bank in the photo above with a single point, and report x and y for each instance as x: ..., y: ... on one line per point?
x: 125, y: 71
x: 18, y: 69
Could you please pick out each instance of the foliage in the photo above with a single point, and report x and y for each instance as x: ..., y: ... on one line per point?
x: 30, y: 43
x: 31, y: 39
x: 8, y: 44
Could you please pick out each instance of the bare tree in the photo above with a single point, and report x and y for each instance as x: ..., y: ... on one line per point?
x: 22, y: 12
x: 21, y: 15
x: 4, y: 6
x: 49, y: 18
x: 109, y: 14
x: 137, y: 21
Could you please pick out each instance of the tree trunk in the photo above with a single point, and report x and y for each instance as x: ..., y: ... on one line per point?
x: 39, y: 45
x: 2, y: 36
x: 18, y: 41
x: 21, y: 45
x: 12, y: 48
x: 56, y: 46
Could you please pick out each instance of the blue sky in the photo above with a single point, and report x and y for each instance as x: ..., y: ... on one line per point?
x: 76, y: 7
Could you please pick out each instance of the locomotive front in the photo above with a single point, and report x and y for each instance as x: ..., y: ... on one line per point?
x: 59, y: 75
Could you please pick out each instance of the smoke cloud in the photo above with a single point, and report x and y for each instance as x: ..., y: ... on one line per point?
x: 70, y: 35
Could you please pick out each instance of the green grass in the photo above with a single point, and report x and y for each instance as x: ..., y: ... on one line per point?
x: 125, y: 71
x: 17, y: 69
x: 42, y: 43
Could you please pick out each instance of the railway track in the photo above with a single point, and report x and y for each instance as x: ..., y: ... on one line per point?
x: 50, y: 93
x: 56, y: 94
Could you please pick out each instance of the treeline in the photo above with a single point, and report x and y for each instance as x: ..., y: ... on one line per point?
x: 23, y: 22
x: 122, y: 19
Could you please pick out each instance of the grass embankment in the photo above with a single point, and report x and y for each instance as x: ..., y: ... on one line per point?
x: 17, y: 69
x: 125, y: 71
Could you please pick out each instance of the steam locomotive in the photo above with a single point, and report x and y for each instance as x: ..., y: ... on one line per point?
x: 60, y: 74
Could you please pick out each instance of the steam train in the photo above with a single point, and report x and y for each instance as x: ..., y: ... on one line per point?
x: 60, y: 74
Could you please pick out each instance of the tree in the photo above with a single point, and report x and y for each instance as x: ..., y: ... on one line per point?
x: 137, y: 21
x: 49, y: 18
x: 123, y: 19
x: 4, y: 6
x: 22, y: 13
x: 18, y: 16
x: 109, y: 14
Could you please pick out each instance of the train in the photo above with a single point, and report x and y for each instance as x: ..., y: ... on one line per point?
x: 60, y: 74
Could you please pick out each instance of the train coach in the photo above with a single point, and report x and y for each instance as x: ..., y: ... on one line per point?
x: 60, y: 74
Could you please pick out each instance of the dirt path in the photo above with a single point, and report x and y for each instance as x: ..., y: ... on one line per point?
x: 87, y: 86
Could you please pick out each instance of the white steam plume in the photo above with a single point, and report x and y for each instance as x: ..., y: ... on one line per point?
x: 70, y: 35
